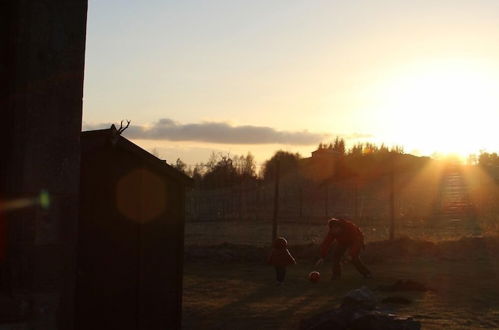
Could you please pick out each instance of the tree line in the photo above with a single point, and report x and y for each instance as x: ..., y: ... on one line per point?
x: 223, y: 170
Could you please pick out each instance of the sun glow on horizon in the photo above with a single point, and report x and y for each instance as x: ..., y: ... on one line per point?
x: 444, y: 107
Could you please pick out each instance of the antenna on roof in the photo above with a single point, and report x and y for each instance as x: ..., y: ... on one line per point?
x: 115, y: 133
x: 122, y: 129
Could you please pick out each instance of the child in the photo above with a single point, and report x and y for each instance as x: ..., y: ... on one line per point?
x: 348, y: 237
x: 280, y: 258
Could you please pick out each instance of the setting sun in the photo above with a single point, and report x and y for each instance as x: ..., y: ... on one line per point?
x: 445, y: 107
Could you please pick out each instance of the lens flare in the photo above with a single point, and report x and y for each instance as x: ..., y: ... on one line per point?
x: 44, y: 199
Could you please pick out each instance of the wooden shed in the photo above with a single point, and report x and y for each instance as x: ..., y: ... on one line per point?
x: 130, y: 236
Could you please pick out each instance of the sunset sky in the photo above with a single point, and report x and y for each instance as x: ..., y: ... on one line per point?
x: 237, y: 76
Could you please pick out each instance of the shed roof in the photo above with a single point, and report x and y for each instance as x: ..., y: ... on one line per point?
x: 96, y: 139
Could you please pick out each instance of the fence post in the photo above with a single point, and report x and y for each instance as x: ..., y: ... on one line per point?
x: 392, y: 200
x: 300, y: 196
x: 276, y: 201
x: 356, y: 198
x: 326, y: 200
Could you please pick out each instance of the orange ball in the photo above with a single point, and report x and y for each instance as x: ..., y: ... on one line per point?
x: 314, y: 276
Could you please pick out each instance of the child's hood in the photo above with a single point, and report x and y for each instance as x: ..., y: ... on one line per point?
x: 280, y: 243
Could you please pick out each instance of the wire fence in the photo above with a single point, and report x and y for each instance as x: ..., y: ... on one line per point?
x: 432, y: 204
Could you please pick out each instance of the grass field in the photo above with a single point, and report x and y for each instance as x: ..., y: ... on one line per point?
x: 259, y: 233
x: 243, y: 295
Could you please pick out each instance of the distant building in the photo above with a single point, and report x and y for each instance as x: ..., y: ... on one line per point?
x: 131, y: 236
x: 322, y: 164
x: 325, y: 153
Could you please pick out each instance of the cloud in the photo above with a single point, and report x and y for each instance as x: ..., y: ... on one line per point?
x: 217, y: 132
x: 357, y: 136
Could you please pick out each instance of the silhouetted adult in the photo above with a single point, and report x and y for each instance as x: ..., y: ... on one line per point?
x: 349, y: 238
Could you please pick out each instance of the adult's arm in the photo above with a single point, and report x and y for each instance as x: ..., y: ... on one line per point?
x: 326, y: 244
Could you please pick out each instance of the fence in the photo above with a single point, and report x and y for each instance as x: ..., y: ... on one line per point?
x: 437, y: 202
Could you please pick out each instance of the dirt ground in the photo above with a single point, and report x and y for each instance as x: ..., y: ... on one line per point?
x: 228, y: 291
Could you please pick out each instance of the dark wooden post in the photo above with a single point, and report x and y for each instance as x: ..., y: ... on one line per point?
x: 42, y: 52
x: 276, y: 201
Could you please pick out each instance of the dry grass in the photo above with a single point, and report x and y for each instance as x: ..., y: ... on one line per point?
x: 243, y: 296
x: 259, y: 233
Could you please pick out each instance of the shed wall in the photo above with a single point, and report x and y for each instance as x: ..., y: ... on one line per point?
x: 134, y: 254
